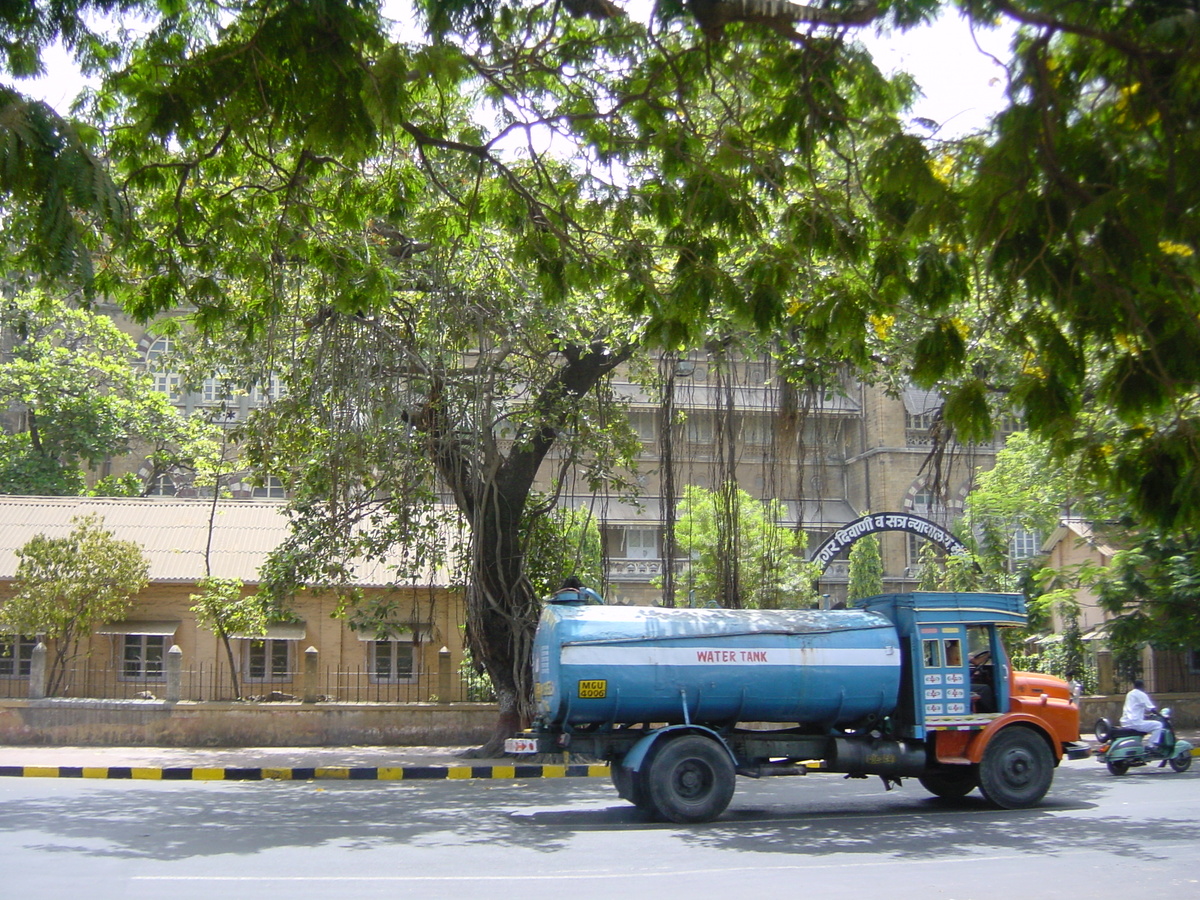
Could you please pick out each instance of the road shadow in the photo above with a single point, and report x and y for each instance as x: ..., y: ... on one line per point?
x: 818, y: 817
x: 168, y: 822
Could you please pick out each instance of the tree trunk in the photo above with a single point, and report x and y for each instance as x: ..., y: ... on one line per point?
x: 233, y: 678
x: 502, y: 609
x: 502, y: 614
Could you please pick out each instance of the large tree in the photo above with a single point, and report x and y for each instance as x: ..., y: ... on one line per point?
x: 459, y: 388
x: 733, y: 161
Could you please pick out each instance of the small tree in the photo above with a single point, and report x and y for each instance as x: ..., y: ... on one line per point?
x: 866, y: 569
x: 66, y: 586
x: 770, y: 572
x: 222, y: 608
x: 72, y: 398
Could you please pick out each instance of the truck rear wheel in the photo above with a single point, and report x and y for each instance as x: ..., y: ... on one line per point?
x: 1017, y: 769
x: 690, y: 779
x: 951, y: 782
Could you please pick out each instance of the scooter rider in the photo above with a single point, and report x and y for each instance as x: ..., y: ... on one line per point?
x: 1137, y: 704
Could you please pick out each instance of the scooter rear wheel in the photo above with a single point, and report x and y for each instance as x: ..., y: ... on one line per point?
x: 1182, y: 762
x: 1117, y: 766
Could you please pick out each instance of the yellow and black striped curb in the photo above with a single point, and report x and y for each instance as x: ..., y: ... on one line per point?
x: 310, y: 773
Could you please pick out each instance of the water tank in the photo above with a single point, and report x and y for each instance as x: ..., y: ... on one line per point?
x: 618, y: 664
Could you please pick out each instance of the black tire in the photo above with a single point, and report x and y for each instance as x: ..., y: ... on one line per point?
x: 690, y: 779
x: 1017, y: 769
x: 1102, y: 729
x: 951, y: 783
x: 1182, y: 762
x: 629, y: 784
x: 1118, y: 766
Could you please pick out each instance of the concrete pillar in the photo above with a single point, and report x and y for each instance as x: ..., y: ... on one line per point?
x: 1105, y: 680
x: 174, y: 672
x: 445, y: 681
x: 312, y: 659
x: 37, y: 672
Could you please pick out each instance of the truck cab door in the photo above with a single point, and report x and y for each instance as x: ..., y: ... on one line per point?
x: 943, y: 677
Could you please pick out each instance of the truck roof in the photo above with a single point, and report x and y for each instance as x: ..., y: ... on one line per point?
x: 967, y: 607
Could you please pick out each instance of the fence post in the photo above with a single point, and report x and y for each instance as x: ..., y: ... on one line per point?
x: 311, y: 659
x: 174, y: 674
x: 444, y: 682
x: 37, y: 672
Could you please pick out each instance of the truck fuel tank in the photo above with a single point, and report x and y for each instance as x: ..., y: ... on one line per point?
x: 617, y: 664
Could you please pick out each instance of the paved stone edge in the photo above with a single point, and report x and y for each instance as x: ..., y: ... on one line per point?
x: 306, y: 773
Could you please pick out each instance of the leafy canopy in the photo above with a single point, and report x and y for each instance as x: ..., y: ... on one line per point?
x: 76, y: 398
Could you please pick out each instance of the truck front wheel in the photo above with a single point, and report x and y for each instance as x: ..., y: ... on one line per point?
x: 1016, y: 770
x: 690, y: 779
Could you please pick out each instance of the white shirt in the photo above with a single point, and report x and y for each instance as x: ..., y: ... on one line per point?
x: 1137, y: 704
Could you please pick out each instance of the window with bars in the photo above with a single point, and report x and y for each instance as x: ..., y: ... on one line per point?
x: 268, y: 659
x: 392, y: 661
x: 158, y: 361
x: 1024, y: 544
x: 267, y: 391
x: 641, y: 543
x: 919, y: 421
x: 699, y: 428
x: 16, y: 655
x: 272, y: 490
x: 645, y: 424
x: 163, y: 486
x: 757, y: 430
x: 142, y: 657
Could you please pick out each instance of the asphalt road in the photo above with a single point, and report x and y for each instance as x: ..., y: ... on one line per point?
x: 817, y: 836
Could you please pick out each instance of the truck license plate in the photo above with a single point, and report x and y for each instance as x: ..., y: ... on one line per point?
x: 520, y: 745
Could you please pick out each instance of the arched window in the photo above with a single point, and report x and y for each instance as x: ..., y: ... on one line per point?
x: 158, y: 362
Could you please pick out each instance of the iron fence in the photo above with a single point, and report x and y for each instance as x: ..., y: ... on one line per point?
x: 211, y: 681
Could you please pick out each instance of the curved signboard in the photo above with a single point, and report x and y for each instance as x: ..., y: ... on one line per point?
x: 888, y: 521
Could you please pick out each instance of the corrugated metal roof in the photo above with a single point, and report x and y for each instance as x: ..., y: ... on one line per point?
x: 172, y: 532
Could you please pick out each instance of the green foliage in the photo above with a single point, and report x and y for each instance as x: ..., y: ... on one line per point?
x: 1151, y: 589
x: 127, y: 485
x: 77, y: 399
x: 741, y: 556
x: 1026, y: 489
x: 563, y: 543
x: 725, y: 165
x: 866, y: 569
x: 956, y: 571
x: 223, y: 607
x: 66, y: 586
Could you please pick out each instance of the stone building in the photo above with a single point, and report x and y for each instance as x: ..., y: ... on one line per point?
x: 829, y: 455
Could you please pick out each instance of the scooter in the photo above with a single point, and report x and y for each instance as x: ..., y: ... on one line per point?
x: 1123, y: 748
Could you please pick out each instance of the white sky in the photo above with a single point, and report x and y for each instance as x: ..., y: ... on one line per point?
x: 962, y: 85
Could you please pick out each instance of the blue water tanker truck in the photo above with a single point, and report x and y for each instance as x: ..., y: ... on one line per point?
x: 680, y: 701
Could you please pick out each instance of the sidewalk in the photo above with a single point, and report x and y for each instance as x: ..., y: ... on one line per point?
x: 298, y: 763
x: 278, y: 763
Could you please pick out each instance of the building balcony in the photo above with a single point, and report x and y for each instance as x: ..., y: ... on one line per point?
x: 634, y: 570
